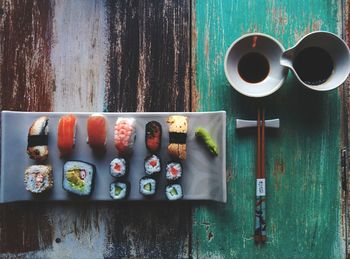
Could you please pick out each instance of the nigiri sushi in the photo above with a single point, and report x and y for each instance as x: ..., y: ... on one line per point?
x: 38, y: 139
x: 97, y: 132
x: 124, y: 135
x: 178, y: 126
x: 153, y: 136
x: 66, y: 134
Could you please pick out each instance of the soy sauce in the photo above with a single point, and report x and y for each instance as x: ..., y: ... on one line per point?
x: 313, y: 65
x: 253, y: 67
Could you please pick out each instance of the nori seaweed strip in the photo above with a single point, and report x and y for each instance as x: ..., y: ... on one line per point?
x: 37, y: 140
x: 177, y: 138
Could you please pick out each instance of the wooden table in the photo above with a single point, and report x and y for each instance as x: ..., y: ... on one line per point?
x: 168, y: 56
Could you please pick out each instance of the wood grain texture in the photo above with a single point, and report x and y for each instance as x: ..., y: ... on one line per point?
x: 149, y: 70
x: 26, y: 84
x: 79, y: 55
x: 26, y: 74
x: 149, y: 67
x: 303, y: 156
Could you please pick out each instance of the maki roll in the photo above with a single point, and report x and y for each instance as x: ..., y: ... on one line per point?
x: 148, y: 186
x: 38, y: 139
x: 173, y: 192
x: 38, y: 178
x: 120, y: 190
x: 78, y: 177
x: 66, y: 134
x: 124, y: 135
x: 97, y: 132
x: 173, y: 171
x: 153, y: 136
x: 178, y: 126
x: 152, y: 165
x: 118, y: 167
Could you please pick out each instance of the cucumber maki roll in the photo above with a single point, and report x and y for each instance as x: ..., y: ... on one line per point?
x: 120, y: 190
x: 152, y: 165
x: 173, y: 192
x: 118, y: 167
x: 38, y: 178
x: 173, y: 171
x: 148, y: 186
x: 78, y: 177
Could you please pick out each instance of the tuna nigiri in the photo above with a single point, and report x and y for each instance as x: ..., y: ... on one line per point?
x: 97, y: 131
x: 66, y: 134
x: 124, y: 135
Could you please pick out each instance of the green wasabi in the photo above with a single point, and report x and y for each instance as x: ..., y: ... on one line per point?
x: 209, y: 142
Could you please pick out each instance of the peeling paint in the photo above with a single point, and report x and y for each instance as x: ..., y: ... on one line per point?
x: 278, y: 172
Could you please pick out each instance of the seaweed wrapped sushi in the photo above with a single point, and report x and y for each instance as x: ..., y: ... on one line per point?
x: 78, y: 177
x: 38, y: 178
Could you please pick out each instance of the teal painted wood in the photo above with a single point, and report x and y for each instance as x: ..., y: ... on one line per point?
x: 302, y: 157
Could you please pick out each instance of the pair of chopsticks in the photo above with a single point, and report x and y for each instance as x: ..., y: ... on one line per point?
x: 260, y: 205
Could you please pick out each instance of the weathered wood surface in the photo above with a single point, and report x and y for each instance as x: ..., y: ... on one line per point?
x: 95, y: 56
x: 136, y: 56
x: 304, y: 216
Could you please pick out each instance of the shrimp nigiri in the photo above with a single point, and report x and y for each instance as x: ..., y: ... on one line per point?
x: 124, y: 135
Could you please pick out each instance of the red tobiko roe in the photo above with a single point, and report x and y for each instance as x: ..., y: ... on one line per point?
x: 152, y: 143
x: 153, y: 163
x: 173, y: 171
x: 117, y: 167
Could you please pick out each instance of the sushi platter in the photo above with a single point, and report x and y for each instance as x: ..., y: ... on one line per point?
x: 68, y: 156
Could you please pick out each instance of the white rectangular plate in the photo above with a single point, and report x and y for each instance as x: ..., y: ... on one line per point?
x: 204, y: 175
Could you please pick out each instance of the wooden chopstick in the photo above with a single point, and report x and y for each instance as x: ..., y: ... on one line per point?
x: 258, y: 174
x: 260, y: 210
x: 262, y: 159
x: 263, y: 198
x: 257, y: 234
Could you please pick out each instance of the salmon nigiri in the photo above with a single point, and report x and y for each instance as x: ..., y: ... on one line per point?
x: 97, y: 132
x: 66, y: 134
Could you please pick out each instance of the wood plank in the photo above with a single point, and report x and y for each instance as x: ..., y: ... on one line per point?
x: 149, y: 70
x: 26, y: 84
x: 303, y: 157
x: 79, y: 55
x: 149, y: 56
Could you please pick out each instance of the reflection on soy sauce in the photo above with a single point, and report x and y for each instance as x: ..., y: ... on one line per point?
x: 313, y: 65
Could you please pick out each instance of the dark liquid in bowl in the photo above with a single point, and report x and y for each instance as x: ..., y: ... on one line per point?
x: 253, y: 67
x: 313, y: 65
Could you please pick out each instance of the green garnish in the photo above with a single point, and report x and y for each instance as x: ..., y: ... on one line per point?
x: 117, y: 190
x: 73, y: 176
x: 209, y: 142
x: 147, y: 187
x: 173, y: 192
